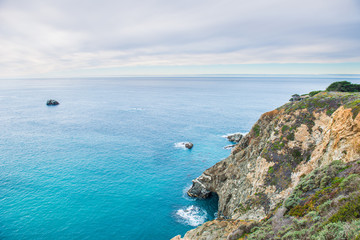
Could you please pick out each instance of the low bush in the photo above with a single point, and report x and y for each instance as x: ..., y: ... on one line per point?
x: 343, y: 86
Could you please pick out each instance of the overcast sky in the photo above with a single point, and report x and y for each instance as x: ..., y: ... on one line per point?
x: 120, y: 37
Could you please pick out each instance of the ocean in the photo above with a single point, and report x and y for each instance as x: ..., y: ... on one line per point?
x: 107, y: 164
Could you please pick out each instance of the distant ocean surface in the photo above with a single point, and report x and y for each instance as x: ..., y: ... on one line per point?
x: 106, y: 163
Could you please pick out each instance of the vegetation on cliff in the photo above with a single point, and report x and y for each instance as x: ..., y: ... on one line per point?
x: 324, y: 205
x: 343, y: 86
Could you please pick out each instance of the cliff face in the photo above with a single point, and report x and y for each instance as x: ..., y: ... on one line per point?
x: 284, y: 145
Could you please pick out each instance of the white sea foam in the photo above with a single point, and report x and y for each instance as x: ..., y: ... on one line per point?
x: 136, y: 109
x: 180, y: 145
x: 185, y: 195
x: 242, y: 133
x: 191, y: 215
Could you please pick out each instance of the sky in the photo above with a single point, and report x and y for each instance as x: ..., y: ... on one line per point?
x: 61, y: 38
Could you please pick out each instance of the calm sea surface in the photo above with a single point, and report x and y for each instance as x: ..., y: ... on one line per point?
x: 105, y: 163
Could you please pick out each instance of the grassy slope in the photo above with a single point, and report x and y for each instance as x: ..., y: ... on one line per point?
x: 324, y: 205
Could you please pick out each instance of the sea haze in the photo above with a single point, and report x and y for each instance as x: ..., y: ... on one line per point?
x: 106, y: 163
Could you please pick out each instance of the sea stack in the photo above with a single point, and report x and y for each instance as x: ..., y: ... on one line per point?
x: 52, y: 102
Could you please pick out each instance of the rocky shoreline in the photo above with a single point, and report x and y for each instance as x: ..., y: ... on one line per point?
x: 267, y: 164
x: 234, y: 137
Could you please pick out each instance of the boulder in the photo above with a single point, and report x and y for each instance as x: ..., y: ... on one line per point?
x: 235, y: 137
x: 189, y: 145
x: 52, y: 102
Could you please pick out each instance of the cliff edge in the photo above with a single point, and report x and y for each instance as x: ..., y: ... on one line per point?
x: 265, y: 167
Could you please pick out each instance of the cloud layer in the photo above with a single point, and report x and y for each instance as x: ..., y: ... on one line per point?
x: 41, y: 37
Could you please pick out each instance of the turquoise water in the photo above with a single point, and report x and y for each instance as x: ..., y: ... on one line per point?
x: 104, y: 163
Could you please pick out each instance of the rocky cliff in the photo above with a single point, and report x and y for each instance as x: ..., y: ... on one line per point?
x: 282, y: 147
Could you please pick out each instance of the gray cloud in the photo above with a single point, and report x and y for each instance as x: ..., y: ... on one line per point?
x: 44, y: 36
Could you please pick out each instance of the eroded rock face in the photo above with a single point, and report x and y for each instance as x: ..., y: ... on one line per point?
x: 198, y: 189
x: 284, y: 144
x: 219, y: 230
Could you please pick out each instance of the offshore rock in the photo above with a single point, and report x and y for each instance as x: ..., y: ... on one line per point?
x: 189, y: 145
x: 52, y: 102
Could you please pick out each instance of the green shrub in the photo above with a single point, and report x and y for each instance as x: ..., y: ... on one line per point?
x: 256, y: 129
x: 264, y: 232
x: 329, y: 112
x: 324, y: 207
x: 290, y: 137
x: 349, y: 211
x: 333, y: 231
x: 325, y: 181
x: 337, y: 180
x: 292, y: 201
x: 312, y: 93
x: 301, y: 210
x: 285, y: 128
x: 354, y: 230
x: 296, y: 153
x: 343, y: 86
x: 295, y: 235
x: 277, y: 145
x: 350, y: 181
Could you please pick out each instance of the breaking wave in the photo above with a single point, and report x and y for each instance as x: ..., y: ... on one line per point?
x: 180, y: 145
x: 191, y: 215
x: 229, y: 134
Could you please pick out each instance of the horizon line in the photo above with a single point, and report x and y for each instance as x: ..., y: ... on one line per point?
x: 355, y: 75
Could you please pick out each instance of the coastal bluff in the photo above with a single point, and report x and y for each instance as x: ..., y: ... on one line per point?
x: 256, y: 183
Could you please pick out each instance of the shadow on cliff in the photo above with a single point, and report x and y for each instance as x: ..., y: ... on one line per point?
x: 210, y: 205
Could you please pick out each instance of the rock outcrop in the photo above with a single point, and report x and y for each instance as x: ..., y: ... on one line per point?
x: 189, y: 145
x: 235, y: 137
x: 220, y: 229
x: 283, y: 146
x: 52, y: 102
x: 185, y: 145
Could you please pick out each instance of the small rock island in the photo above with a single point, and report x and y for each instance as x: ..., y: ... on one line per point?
x: 52, y: 102
x: 189, y: 145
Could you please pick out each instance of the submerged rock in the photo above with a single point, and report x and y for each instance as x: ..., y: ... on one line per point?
x: 52, y: 102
